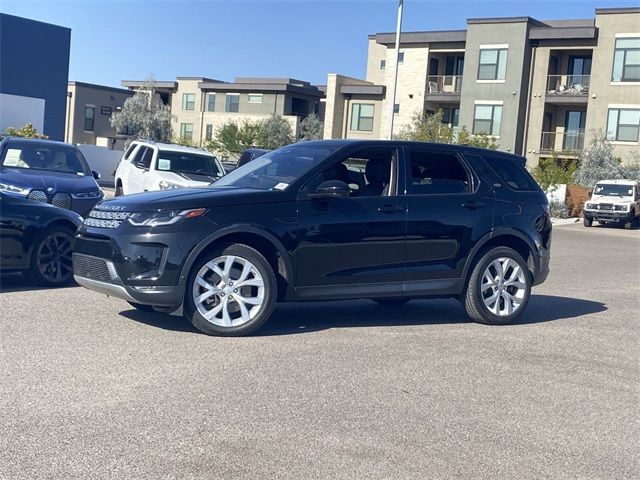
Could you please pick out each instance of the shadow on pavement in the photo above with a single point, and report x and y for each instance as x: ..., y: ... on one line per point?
x: 295, y: 318
x: 16, y: 282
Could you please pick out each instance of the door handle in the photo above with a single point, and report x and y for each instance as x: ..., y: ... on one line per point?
x: 390, y: 209
x: 472, y: 205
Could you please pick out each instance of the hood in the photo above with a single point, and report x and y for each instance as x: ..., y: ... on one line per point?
x: 615, y: 200
x: 44, y: 179
x: 183, y: 198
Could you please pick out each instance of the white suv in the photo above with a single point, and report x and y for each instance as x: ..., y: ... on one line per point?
x: 148, y: 166
x: 614, y: 201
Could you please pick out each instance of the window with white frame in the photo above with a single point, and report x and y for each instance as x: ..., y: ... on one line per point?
x: 487, y: 119
x: 233, y: 103
x: 383, y: 64
x: 362, y: 117
x: 626, y: 60
x: 211, y: 102
x: 492, y: 64
x: 186, y: 131
x: 209, y: 132
x: 188, y: 101
x: 255, y: 98
x: 623, y: 124
x: 89, y: 117
x: 401, y: 57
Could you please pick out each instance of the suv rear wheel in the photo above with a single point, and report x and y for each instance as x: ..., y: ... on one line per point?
x: 231, y: 291
x: 499, y: 287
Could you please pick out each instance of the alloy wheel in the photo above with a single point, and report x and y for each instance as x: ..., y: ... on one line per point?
x: 503, y: 286
x: 53, y: 257
x: 228, y: 291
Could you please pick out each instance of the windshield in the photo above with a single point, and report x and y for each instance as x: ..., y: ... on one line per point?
x: 276, y: 170
x: 612, y: 190
x: 54, y: 158
x: 185, y: 162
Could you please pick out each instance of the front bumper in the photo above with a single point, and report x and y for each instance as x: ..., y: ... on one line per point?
x: 100, y: 275
x: 607, y: 215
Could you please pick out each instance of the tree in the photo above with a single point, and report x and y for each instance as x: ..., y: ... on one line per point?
x: 233, y: 137
x: 274, y: 133
x: 311, y: 128
x: 430, y: 128
x: 28, y: 131
x: 145, y: 114
x: 596, y: 162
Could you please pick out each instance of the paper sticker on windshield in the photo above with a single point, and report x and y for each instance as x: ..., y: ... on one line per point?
x: 164, y: 164
x: 281, y: 186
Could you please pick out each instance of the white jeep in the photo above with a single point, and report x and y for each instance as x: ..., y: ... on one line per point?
x: 614, y: 201
x: 148, y: 166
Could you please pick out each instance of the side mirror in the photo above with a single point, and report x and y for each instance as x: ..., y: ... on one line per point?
x: 330, y: 189
x: 95, y: 174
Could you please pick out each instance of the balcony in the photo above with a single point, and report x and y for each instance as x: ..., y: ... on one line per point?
x: 444, y: 88
x: 562, y: 143
x: 567, y: 89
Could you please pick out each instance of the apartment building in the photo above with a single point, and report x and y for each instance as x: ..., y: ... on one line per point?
x: 541, y: 88
x: 89, y: 108
x: 201, y: 105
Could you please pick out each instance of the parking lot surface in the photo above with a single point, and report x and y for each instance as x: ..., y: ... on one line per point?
x: 91, y: 388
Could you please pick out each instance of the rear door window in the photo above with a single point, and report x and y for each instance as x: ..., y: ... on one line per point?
x: 434, y: 172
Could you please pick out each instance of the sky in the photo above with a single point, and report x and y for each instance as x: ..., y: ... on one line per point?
x: 223, y: 39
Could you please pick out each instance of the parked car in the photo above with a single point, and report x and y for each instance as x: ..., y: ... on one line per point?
x: 249, y: 154
x: 50, y: 172
x: 616, y: 201
x: 228, y: 167
x: 36, y: 238
x: 148, y: 166
x: 429, y: 220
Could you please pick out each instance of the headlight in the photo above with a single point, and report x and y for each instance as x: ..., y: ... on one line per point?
x: 592, y: 206
x: 5, y: 187
x: 164, y: 185
x: 163, y: 217
x: 84, y: 195
x: 624, y: 208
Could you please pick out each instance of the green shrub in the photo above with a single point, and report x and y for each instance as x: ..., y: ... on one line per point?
x: 554, y: 171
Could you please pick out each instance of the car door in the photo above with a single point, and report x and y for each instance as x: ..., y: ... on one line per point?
x: 140, y: 169
x: 449, y: 209
x: 149, y: 180
x: 350, y: 247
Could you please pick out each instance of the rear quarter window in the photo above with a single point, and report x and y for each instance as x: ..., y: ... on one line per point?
x: 512, y: 172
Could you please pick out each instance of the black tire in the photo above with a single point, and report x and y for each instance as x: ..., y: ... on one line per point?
x: 587, y: 222
x: 473, y: 298
x: 50, y: 264
x: 119, y: 191
x: 391, y: 302
x: 629, y: 224
x: 267, y: 274
x: 141, y: 307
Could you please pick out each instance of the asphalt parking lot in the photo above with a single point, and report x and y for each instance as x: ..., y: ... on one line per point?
x: 91, y: 388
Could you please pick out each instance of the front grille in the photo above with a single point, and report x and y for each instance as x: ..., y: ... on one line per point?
x: 605, y: 206
x: 62, y: 200
x: 105, y: 219
x: 91, y: 267
x: 37, y: 195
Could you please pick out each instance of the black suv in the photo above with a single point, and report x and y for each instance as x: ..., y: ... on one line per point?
x: 327, y: 220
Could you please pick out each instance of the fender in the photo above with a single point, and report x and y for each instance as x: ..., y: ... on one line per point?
x: 238, y: 228
x: 497, y: 233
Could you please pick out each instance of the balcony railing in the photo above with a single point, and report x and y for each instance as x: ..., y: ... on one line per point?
x: 568, y: 84
x: 567, y: 142
x: 444, y: 83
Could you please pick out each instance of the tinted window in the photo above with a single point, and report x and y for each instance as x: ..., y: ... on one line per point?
x: 187, y: 163
x: 512, y: 172
x: 437, y: 173
x: 129, y: 151
x: 45, y: 156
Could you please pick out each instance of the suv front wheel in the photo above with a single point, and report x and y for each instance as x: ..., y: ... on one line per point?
x: 499, y: 287
x: 231, y: 291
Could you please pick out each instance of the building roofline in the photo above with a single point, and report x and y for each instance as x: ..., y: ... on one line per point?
x: 139, y: 83
x: 505, y: 20
x: 310, y: 90
x: 99, y: 87
x: 202, y: 79
x: 604, y: 11
x: 35, y: 21
x: 434, y: 36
